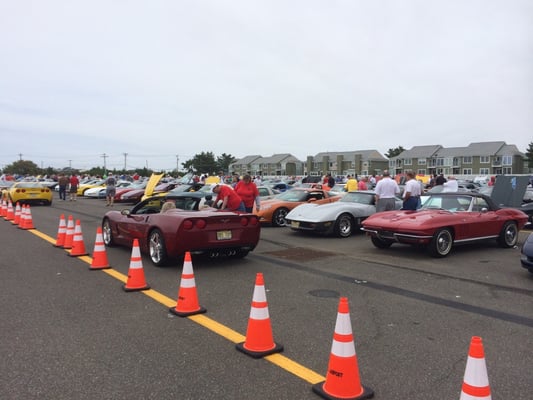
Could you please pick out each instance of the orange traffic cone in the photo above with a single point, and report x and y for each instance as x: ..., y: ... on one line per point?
x: 18, y: 211
x: 342, y: 380
x: 136, y: 279
x: 187, y: 303
x: 3, y: 209
x: 99, y: 253
x: 10, y: 215
x: 69, y: 235
x: 61, y: 232
x: 78, y: 245
x: 28, y: 221
x: 259, y: 340
x: 22, y: 217
x: 476, y: 382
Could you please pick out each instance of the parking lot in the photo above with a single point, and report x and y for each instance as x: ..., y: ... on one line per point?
x: 69, y: 332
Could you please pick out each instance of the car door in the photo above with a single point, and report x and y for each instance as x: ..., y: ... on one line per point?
x: 482, y: 221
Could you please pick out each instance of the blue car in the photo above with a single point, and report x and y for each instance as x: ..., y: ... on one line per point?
x: 526, y: 256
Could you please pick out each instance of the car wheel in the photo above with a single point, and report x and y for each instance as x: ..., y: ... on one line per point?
x: 157, y: 249
x: 508, y: 235
x: 241, y: 253
x: 441, y: 244
x: 344, y: 225
x: 278, y: 218
x: 107, y: 233
x: 381, y: 243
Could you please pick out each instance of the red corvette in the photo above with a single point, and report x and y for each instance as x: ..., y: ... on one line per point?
x: 446, y: 219
x: 187, y: 227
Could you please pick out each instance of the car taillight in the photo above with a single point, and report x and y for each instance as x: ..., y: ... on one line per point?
x: 254, y: 221
x: 244, y: 221
x: 197, y: 223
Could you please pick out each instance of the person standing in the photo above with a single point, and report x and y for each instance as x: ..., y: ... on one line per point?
x: 62, y: 182
x: 110, y: 189
x: 231, y: 201
x: 450, y: 185
x: 412, y: 192
x: 74, y: 183
x: 248, y: 192
x: 351, y: 184
x: 386, y: 191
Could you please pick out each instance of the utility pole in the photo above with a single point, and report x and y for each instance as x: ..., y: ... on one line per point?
x: 125, y: 155
x: 177, y: 163
x: 20, y: 156
x: 104, y: 156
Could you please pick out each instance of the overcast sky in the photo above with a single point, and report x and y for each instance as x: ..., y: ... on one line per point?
x: 163, y: 80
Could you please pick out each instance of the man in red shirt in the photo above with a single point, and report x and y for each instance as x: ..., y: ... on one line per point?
x: 231, y: 201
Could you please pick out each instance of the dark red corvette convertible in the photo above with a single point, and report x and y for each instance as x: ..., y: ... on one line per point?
x: 446, y: 219
x: 190, y: 226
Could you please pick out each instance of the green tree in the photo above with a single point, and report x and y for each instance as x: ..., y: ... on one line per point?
x: 202, y: 163
x: 224, y: 161
x: 529, y: 155
x: 22, y: 167
x: 394, y: 152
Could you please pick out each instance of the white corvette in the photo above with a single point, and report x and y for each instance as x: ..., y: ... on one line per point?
x: 340, y: 218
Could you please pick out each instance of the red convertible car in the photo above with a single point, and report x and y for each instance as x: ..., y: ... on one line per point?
x: 187, y: 226
x: 446, y: 219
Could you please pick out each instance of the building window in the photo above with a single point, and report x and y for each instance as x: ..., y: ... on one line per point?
x: 507, y: 170
x: 421, y: 161
x: 407, y: 161
x: 484, y: 171
x: 467, y: 159
x: 507, y: 160
x: 421, y: 172
x: 467, y: 171
x: 484, y: 159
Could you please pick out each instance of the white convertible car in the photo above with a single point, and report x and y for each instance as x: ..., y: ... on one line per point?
x: 340, y: 218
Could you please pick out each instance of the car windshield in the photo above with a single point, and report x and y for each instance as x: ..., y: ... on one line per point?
x: 449, y: 203
x: 29, y: 185
x: 358, y: 197
x: 294, y: 195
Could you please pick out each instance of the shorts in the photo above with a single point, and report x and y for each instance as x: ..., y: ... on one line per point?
x: 73, y: 189
x: 110, y: 192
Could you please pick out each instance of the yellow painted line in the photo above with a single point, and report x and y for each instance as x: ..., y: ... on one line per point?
x: 201, y: 319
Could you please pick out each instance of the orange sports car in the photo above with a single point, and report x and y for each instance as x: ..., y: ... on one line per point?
x: 275, y: 210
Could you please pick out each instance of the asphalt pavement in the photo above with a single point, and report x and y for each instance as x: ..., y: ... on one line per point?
x: 69, y: 332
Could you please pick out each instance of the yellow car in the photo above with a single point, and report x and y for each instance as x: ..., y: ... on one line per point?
x: 30, y: 192
x: 89, y: 185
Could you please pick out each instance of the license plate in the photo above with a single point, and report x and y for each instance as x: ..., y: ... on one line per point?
x: 295, y: 224
x: 223, y: 235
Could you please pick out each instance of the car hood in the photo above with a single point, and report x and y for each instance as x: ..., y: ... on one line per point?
x: 405, y: 219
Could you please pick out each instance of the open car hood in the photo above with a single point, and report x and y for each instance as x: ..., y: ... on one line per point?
x: 509, y: 190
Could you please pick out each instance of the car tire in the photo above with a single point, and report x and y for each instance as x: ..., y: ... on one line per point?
x: 241, y: 253
x: 508, y: 235
x: 279, y: 217
x: 157, y: 249
x: 107, y: 233
x: 344, y: 225
x: 441, y: 244
x: 381, y: 243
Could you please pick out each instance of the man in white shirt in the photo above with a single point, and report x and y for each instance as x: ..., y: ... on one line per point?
x: 450, y: 185
x: 386, y: 191
x: 412, y: 192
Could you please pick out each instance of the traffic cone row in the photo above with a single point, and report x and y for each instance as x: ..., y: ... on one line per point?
x: 26, y: 220
x: 342, y: 380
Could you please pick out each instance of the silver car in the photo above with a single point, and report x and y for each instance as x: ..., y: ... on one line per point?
x: 340, y: 218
